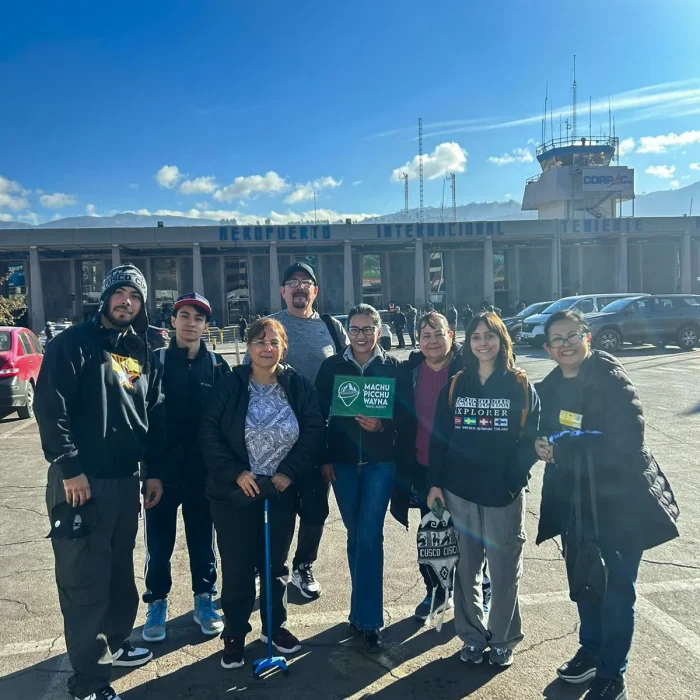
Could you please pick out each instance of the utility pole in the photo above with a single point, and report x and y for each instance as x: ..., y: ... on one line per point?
x: 315, y: 206
x: 420, y: 165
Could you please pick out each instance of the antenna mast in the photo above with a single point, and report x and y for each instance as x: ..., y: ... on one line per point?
x: 573, y: 96
x: 420, y: 166
x: 590, y: 117
x: 453, y: 176
x: 404, y: 177
x: 544, y: 121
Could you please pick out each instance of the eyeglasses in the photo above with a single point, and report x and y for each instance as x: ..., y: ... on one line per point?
x: 438, y: 335
x: 260, y: 343
x: 299, y: 284
x: 354, y: 331
x: 573, y: 339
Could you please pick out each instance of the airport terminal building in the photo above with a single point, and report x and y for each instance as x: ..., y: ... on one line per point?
x: 238, y: 268
x: 579, y: 244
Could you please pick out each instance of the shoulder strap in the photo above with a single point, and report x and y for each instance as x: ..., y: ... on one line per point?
x: 330, y: 325
x: 161, y: 356
x: 453, y: 383
x: 212, y: 357
x: 521, y: 378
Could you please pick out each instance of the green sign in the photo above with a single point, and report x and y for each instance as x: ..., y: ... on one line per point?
x: 368, y: 396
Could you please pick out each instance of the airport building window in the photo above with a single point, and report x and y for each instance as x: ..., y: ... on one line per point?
x: 91, y: 284
x: 372, y: 280
x: 436, y: 282
x: 237, y: 289
x: 166, y: 287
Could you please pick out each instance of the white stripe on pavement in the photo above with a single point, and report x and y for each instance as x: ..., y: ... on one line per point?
x: 673, y: 629
x: 17, y: 428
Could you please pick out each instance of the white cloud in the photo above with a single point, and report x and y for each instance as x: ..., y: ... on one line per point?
x: 6, y: 217
x: 694, y: 166
x: 305, y: 192
x: 509, y: 196
x: 626, y: 146
x: 663, y: 171
x: 31, y: 218
x: 518, y: 155
x: 356, y: 183
x: 13, y: 195
x: 447, y: 157
x: 90, y: 210
x: 674, y: 183
x: 200, y: 185
x: 659, y: 144
x: 57, y: 200
x: 133, y: 186
x: 168, y: 176
x: 244, y: 187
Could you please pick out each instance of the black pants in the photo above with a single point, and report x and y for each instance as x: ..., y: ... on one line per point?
x: 161, y: 528
x: 241, y: 536
x: 95, y: 577
x: 312, y: 506
x: 399, y: 335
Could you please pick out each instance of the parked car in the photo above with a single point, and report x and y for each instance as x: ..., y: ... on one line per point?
x: 662, y: 319
x: 21, y: 356
x: 533, y: 326
x: 58, y: 327
x: 385, y: 339
x: 514, y: 324
x: 157, y: 337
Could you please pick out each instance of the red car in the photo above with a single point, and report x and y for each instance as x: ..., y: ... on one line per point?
x: 21, y: 356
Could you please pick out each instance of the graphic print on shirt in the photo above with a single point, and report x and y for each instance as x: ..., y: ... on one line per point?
x: 127, y: 369
x: 471, y: 413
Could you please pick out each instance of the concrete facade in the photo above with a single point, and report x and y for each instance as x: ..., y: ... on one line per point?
x: 239, y: 268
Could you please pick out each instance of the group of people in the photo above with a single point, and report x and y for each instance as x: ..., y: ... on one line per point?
x: 466, y: 429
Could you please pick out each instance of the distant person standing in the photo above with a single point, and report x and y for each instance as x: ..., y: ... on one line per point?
x: 399, y: 321
x: 242, y: 325
x: 467, y: 316
x: 311, y: 338
x: 411, y: 324
x: 452, y: 317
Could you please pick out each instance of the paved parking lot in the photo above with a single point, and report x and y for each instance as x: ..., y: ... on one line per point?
x: 418, y: 662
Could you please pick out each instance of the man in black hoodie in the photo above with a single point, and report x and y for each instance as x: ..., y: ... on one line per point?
x: 189, y: 375
x: 100, y: 412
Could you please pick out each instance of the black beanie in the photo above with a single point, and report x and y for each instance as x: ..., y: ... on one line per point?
x: 127, y: 276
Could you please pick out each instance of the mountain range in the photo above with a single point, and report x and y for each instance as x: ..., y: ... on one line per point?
x: 675, y: 202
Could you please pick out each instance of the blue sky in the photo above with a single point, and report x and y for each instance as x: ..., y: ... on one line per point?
x: 253, y: 105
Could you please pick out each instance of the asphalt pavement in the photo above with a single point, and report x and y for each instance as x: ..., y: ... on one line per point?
x: 418, y: 662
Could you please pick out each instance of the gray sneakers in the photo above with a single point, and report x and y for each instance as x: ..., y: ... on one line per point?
x: 205, y: 615
x: 154, y: 629
x: 501, y: 657
x: 471, y: 655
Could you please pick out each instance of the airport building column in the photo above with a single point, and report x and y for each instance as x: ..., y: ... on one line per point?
x: 116, y: 255
x: 420, y: 275
x: 36, y: 294
x: 275, y: 300
x: 622, y: 279
x: 489, y: 291
x: 579, y: 263
x: 197, y: 273
x: 516, y: 265
x: 556, y: 268
x: 686, y: 264
x: 348, y: 279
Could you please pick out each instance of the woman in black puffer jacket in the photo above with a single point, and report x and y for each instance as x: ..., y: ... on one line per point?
x: 590, y: 394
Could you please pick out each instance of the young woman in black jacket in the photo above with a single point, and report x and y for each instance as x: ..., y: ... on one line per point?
x: 590, y: 399
x: 481, y: 453
x: 264, y: 425
x: 360, y: 463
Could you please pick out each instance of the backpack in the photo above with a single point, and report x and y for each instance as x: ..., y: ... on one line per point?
x: 333, y: 330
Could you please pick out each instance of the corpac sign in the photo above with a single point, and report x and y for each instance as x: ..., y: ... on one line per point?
x: 612, y: 179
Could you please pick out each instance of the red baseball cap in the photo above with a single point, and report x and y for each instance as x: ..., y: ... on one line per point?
x: 193, y: 299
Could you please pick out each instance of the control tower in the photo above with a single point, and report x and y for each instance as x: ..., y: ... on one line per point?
x: 578, y: 180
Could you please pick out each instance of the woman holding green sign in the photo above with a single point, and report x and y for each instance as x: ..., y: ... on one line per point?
x: 361, y: 397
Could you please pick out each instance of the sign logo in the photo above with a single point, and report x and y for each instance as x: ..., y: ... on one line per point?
x: 348, y: 393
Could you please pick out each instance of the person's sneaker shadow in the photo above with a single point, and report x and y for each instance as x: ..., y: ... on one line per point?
x: 559, y: 690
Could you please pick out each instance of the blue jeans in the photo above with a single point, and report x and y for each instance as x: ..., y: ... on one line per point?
x: 607, y: 628
x: 363, y: 493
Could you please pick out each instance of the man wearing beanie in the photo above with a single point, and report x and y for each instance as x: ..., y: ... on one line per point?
x: 100, y: 412
x: 190, y: 372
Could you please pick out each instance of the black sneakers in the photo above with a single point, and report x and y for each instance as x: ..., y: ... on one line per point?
x: 129, y: 656
x: 284, y: 641
x: 580, y: 669
x: 606, y: 689
x: 232, y: 656
x: 303, y: 578
x: 373, y: 641
x: 106, y: 693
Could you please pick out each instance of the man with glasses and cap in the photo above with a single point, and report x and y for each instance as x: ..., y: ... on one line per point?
x: 100, y: 412
x: 190, y: 372
x: 312, y: 338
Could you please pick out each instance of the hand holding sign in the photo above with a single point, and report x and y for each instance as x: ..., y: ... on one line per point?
x: 371, y: 425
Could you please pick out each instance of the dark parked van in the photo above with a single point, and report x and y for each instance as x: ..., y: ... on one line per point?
x: 661, y: 319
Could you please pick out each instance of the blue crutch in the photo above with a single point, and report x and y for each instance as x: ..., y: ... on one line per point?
x: 270, y: 662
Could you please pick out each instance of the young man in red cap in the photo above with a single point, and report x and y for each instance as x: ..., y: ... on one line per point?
x: 189, y: 374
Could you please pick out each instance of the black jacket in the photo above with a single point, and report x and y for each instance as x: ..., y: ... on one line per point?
x: 451, y: 316
x: 636, y: 506
x: 478, y: 450
x: 343, y: 433
x: 412, y: 478
x: 188, y: 386
x: 399, y: 320
x: 222, y: 435
x: 99, y: 405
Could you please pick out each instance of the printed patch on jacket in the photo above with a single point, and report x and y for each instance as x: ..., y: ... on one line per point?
x: 127, y: 369
x: 568, y: 419
x: 472, y: 413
